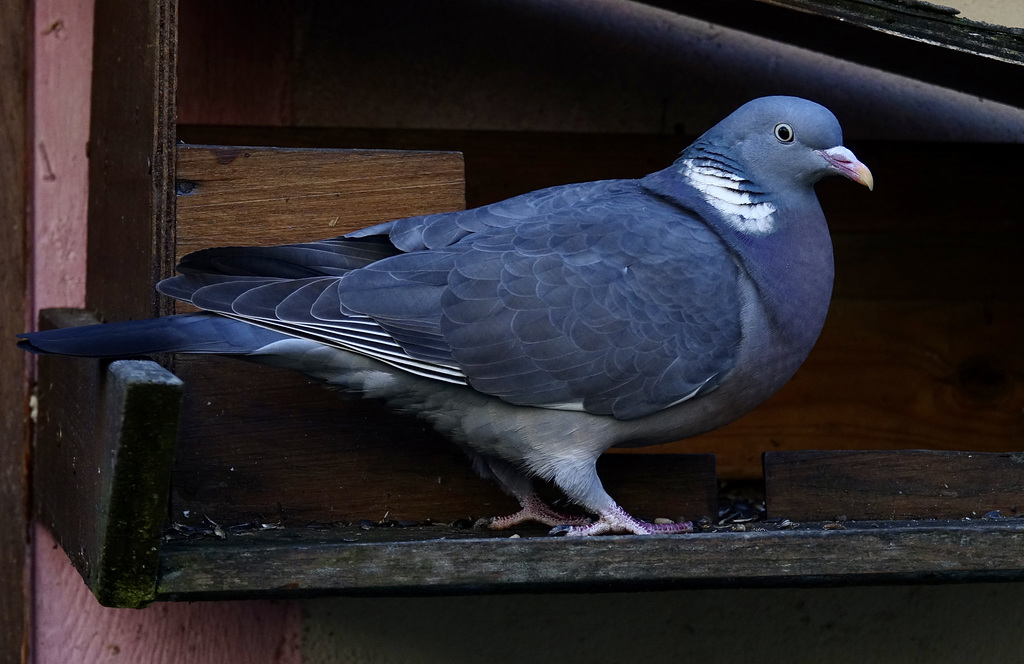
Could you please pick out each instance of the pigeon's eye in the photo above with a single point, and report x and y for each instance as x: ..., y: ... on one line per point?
x: 784, y: 133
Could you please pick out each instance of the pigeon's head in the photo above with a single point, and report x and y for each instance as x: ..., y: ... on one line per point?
x: 782, y: 141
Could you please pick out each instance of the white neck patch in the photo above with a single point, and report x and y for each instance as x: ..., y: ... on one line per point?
x: 725, y: 191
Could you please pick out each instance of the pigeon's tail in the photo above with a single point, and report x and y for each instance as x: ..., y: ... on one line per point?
x: 186, y: 333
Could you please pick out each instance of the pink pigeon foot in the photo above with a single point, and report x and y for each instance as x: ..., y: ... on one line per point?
x: 535, y: 509
x: 617, y: 520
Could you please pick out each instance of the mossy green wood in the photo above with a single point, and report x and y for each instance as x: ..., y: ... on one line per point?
x: 141, y: 404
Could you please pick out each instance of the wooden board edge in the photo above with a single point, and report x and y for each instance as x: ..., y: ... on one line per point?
x: 141, y: 406
x: 900, y: 553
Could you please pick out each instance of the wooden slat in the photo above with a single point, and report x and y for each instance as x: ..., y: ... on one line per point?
x: 443, y: 560
x: 15, y: 142
x: 131, y: 157
x: 909, y: 484
x: 978, y: 267
x: 103, y: 464
x: 236, y: 195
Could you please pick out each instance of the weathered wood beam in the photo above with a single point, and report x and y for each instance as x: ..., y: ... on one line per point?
x: 446, y: 560
x: 894, y: 485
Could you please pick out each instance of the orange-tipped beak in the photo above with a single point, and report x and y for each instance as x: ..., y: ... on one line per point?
x: 844, y: 161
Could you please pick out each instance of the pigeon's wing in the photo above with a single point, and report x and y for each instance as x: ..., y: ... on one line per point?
x: 435, y: 231
x: 332, y: 257
x: 295, y: 288
x: 596, y: 297
x: 618, y: 303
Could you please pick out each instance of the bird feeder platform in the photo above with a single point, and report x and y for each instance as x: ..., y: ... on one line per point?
x: 831, y: 516
x: 205, y: 478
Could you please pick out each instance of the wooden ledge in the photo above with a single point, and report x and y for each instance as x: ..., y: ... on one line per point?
x: 446, y: 560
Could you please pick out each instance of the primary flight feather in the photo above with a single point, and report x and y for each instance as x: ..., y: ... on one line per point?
x: 540, y: 331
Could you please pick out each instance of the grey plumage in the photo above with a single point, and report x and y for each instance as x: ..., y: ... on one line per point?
x: 540, y: 331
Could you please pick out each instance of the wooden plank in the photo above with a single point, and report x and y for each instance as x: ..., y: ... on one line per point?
x: 76, y: 629
x: 103, y: 464
x: 131, y: 158
x: 239, y: 195
x: 254, y: 439
x: 62, y: 71
x: 979, y: 267
x: 15, y: 142
x: 908, y: 484
x: 141, y: 401
x: 435, y: 560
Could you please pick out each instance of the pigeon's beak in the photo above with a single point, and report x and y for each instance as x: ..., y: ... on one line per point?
x: 844, y: 161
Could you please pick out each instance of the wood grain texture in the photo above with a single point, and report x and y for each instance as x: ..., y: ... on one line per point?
x: 239, y: 195
x: 265, y: 444
x: 15, y: 139
x: 444, y: 560
x: 908, y: 484
x: 131, y: 157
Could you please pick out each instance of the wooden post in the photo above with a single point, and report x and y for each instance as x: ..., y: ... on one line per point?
x: 15, y: 141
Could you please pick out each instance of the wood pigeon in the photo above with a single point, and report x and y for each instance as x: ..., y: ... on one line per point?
x: 540, y: 331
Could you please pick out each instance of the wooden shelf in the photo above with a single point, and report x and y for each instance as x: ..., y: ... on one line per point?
x: 441, y: 559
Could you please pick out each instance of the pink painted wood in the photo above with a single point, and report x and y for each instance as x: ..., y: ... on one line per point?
x: 69, y: 626
x: 72, y: 628
x: 63, y: 65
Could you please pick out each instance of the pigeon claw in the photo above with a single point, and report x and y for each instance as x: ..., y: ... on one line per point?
x: 617, y: 520
x: 535, y: 509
